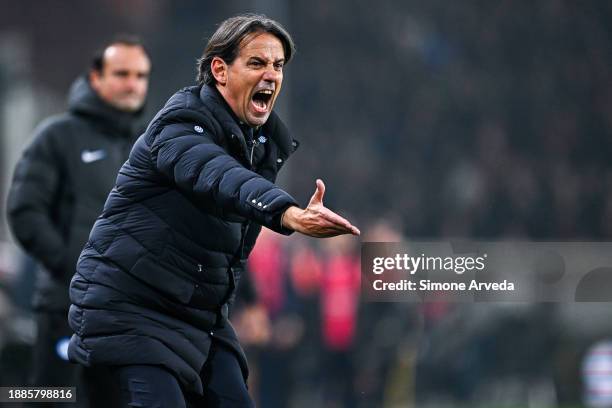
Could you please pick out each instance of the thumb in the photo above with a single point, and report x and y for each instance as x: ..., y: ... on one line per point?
x: 317, y: 197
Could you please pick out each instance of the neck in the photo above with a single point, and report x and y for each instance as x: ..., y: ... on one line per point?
x: 221, y: 91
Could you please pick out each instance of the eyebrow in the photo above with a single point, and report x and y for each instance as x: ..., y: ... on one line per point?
x: 123, y: 71
x: 260, y: 59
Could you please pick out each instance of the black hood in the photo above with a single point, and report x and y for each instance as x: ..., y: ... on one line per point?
x: 84, y: 101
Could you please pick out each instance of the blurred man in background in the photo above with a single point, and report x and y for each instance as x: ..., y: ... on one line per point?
x: 59, y: 188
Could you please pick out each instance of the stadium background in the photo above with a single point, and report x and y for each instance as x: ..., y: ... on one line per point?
x: 427, y: 120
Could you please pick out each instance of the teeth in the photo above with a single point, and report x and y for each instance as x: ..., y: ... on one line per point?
x: 266, y: 91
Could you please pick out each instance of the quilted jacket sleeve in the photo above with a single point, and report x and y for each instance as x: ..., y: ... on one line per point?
x: 31, y: 201
x: 200, y: 167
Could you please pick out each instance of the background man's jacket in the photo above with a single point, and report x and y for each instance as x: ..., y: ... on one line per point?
x: 164, y: 258
x: 60, y: 185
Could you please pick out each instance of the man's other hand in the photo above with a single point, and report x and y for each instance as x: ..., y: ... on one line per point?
x: 317, y: 220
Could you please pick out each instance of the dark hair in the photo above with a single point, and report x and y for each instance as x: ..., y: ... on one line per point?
x: 97, y: 62
x: 225, y: 42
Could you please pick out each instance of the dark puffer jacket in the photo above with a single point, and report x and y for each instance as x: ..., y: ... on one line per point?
x: 60, y: 185
x: 164, y: 258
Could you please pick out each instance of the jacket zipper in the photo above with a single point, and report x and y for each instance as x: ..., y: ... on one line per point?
x: 243, y: 232
x: 254, y: 143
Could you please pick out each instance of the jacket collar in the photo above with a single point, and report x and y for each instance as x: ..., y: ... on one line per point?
x: 274, y: 128
x: 84, y: 101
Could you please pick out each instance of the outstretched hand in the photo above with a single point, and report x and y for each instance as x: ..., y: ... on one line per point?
x: 317, y: 220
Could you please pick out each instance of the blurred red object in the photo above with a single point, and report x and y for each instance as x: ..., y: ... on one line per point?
x: 339, y: 301
x: 266, y: 266
x: 306, y: 271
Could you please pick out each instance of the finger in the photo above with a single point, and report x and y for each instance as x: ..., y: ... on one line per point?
x: 335, y: 231
x: 329, y: 232
x: 317, y: 197
x: 321, y: 187
x: 345, y: 225
x: 334, y: 218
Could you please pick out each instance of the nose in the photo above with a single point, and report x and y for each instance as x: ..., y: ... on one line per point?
x: 272, y: 75
x: 131, y: 82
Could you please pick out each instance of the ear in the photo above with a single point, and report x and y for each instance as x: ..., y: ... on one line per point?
x: 94, y: 79
x: 218, y: 67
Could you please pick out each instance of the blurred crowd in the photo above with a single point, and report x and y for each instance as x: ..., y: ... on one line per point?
x: 319, y: 344
x: 478, y: 119
x: 482, y: 120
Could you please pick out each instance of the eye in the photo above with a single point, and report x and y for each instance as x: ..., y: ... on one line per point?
x: 278, y: 66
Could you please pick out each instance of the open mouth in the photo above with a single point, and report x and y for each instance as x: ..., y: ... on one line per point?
x: 261, y: 100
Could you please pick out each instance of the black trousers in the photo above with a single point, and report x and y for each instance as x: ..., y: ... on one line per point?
x: 95, y: 386
x: 153, y: 386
